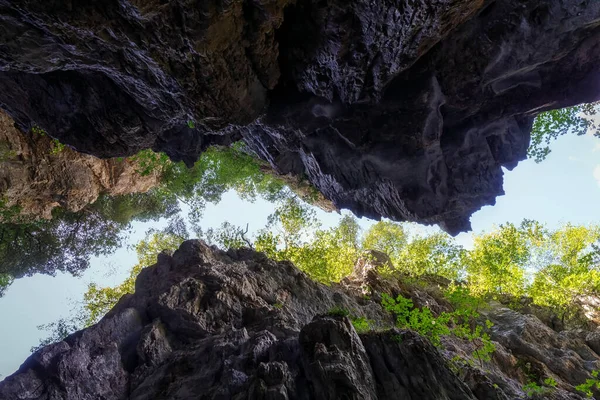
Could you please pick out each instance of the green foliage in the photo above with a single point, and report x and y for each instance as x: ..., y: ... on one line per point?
x: 553, y: 267
x: 435, y: 254
x: 62, y: 244
x: 465, y: 327
x: 6, y: 152
x: 397, y: 338
x: 137, y: 206
x: 484, y: 347
x: 551, y: 382
x: 150, y: 162
x: 228, y: 236
x: 292, y: 234
x: 387, y: 237
x: 420, y: 320
x: 59, y: 330
x: 67, y: 241
x: 5, y: 281
x: 549, y: 125
x: 10, y: 213
x: 57, y: 147
x: 458, y: 363
x: 191, y: 124
x: 219, y: 170
x: 361, y: 324
x: 338, y: 312
x: 463, y: 300
x: 496, y: 264
x: 460, y: 323
x: 36, y: 130
x: 532, y: 389
x: 590, y: 384
x: 97, y: 301
x: 569, y: 268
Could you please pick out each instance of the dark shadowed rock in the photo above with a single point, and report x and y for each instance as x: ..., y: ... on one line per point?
x: 394, y: 108
x: 335, y: 360
x: 407, y: 366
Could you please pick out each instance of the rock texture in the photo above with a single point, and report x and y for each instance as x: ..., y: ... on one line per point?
x: 209, y: 324
x: 37, y: 178
x: 394, y: 108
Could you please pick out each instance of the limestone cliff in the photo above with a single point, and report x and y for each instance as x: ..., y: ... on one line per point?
x: 38, y: 175
x: 208, y: 324
x: 406, y: 109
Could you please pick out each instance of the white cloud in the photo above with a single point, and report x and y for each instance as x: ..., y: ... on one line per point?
x: 596, y: 147
x: 597, y: 174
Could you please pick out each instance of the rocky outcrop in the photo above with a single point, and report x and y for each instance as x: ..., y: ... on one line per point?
x: 401, y: 109
x: 38, y: 175
x: 204, y: 323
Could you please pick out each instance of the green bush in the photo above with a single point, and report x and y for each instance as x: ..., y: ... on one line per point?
x: 419, y: 320
x: 587, y: 387
x: 361, y: 324
x: 338, y: 312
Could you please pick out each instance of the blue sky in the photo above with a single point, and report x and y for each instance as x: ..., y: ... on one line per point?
x: 564, y: 188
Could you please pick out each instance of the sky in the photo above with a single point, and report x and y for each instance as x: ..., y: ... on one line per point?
x: 564, y: 188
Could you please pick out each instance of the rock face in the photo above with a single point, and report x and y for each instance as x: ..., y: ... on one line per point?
x: 37, y: 176
x: 394, y: 108
x: 204, y: 323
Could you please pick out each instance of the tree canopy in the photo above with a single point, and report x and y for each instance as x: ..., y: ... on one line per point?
x: 68, y: 241
x: 218, y: 170
x: 550, y: 125
x: 553, y: 268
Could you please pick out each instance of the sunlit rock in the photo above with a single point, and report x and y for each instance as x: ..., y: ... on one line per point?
x: 37, y: 174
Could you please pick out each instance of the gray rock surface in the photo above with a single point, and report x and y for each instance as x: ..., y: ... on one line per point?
x: 208, y: 324
x: 394, y: 108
